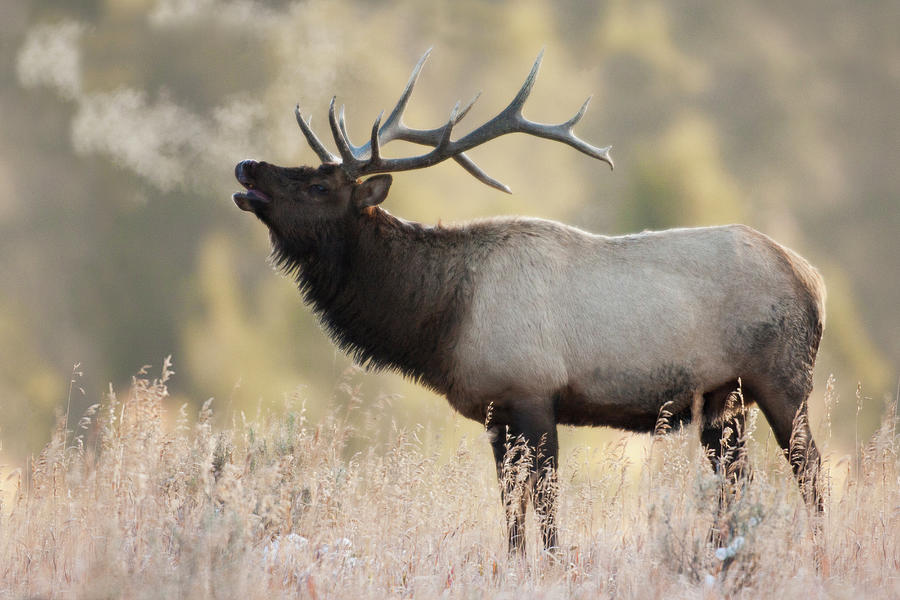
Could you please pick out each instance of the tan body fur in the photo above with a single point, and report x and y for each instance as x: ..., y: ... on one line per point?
x: 623, y: 323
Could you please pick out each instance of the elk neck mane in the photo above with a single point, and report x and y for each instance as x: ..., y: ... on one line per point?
x: 390, y: 292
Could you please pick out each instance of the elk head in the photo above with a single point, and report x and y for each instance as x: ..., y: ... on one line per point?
x: 292, y: 200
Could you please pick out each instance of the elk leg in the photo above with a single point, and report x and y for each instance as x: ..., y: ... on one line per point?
x: 724, y: 444
x: 790, y: 424
x: 546, y: 489
x: 512, y: 493
x: 725, y: 448
x: 782, y: 391
x: 526, y: 452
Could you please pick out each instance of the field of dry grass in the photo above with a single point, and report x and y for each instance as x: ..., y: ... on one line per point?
x: 283, y: 506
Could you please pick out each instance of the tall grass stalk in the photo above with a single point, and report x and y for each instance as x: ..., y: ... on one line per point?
x: 351, y: 506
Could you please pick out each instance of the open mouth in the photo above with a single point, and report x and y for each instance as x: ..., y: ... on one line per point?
x: 253, y: 199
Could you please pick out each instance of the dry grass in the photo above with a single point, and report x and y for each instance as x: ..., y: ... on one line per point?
x: 280, y: 506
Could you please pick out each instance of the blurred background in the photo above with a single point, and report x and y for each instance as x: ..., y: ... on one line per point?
x: 122, y: 121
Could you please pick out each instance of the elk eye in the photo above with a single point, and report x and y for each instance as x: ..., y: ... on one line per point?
x: 318, y: 188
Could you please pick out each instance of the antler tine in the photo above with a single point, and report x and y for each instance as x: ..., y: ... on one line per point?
x: 358, y: 151
x: 448, y: 128
x: 393, y: 127
x: 571, y: 122
x: 465, y: 111
x: 519, y: 101
x: 475, y: 171
x: 311, y: 138
x: 599, y: 153
x: 374, y: 144
x: 396, y: 115
x: 348, y: 159
x: 563, y: 133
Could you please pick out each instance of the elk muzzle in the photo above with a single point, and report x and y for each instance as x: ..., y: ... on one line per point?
x: 253, y: 199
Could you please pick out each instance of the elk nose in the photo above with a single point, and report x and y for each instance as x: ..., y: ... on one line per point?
x: 244, y: 171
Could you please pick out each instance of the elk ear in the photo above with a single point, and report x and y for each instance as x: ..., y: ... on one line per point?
x: 372, y: 191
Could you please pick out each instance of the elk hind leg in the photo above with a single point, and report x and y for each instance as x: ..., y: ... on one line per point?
x: 782, y: 389
x: 789, y: 420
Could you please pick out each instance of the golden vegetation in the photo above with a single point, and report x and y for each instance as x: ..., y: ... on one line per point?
x: 284, y: 506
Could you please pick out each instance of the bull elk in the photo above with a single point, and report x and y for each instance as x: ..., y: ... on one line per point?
x: 526, y: 323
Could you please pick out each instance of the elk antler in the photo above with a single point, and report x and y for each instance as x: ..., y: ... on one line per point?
x: 367, y: 159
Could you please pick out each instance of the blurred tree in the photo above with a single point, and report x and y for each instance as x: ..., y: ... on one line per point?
x: 123, y: 120
x: 680, y: 181
x: 31, y: 389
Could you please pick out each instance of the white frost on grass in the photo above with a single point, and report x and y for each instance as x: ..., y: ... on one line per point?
x: 284, y: 548
x: 290, y: 558
x: 731, y: 549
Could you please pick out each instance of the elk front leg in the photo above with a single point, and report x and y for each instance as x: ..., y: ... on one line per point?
x: 526, y: 451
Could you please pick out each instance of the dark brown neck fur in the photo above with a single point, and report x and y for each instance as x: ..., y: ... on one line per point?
x: 389, y: 292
